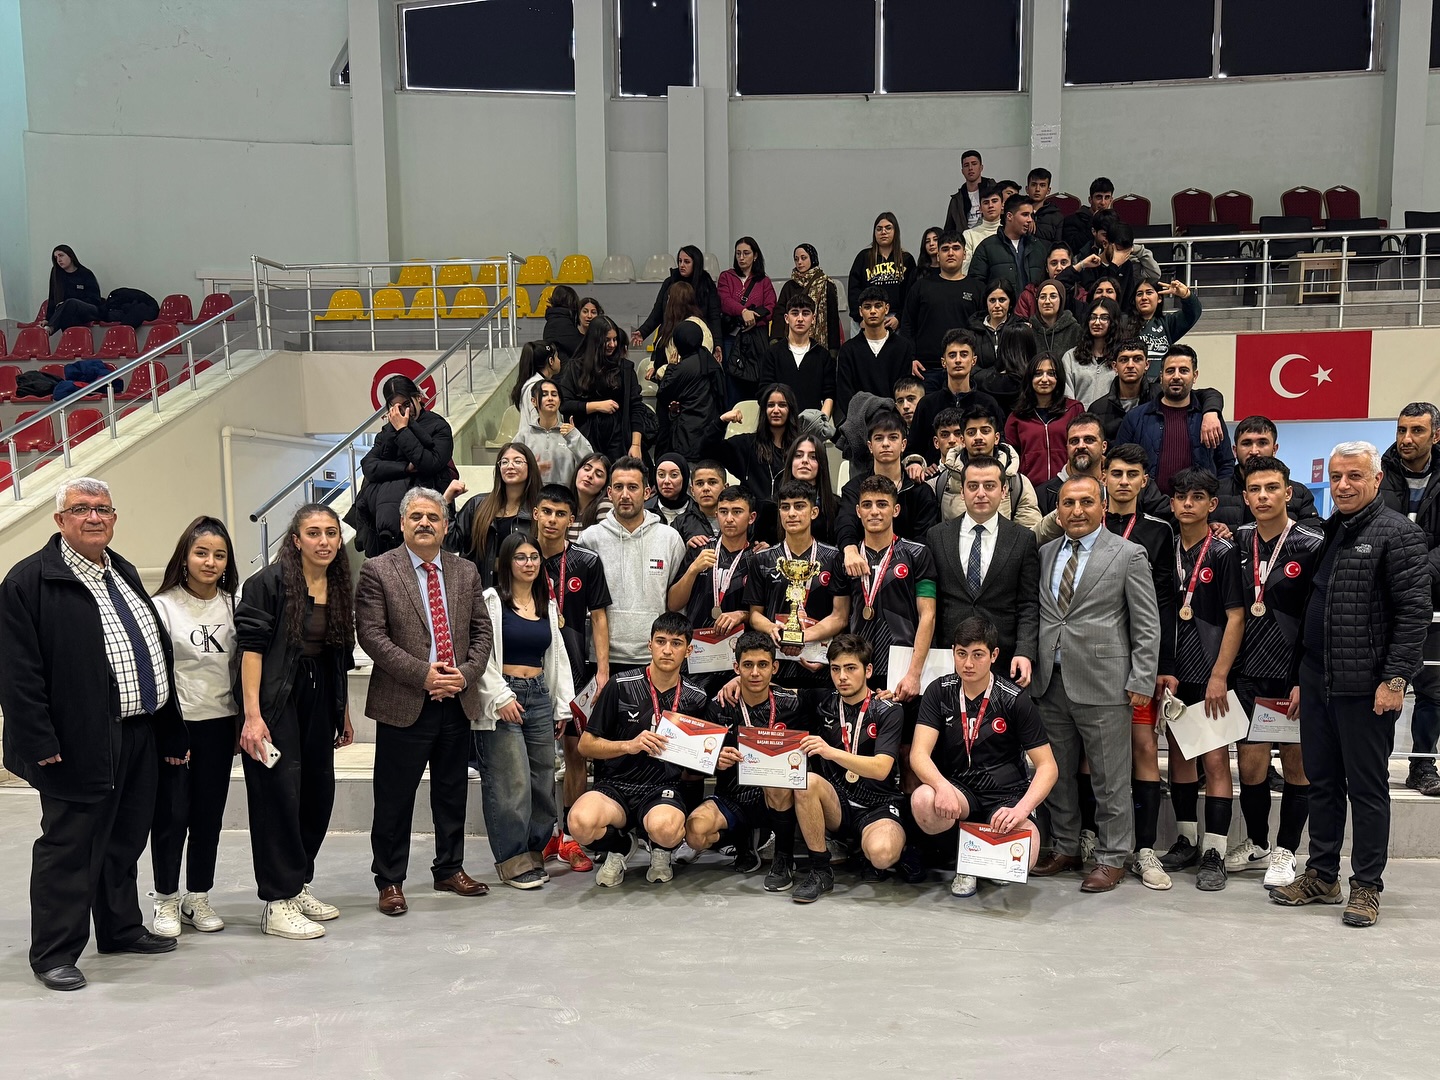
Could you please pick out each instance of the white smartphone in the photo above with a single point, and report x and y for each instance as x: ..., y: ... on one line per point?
x: 268, y: 754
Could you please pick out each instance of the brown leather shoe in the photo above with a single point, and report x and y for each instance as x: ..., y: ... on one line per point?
x: 462, y: 883
x: 392, y: 901
x: 1101, y: 879
x: 1055, y: 863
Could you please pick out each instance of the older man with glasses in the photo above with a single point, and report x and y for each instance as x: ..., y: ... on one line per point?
x: 86, y: 689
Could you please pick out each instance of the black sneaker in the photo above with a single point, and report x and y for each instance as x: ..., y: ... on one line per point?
x: 911, y: 867
x: 871, y: 874
x: 1423, y: 778
x: 815, y: 884
x: 781, y: 875
x: 747, y: 861
x: 1182, y: 853
x: 1211, y: 876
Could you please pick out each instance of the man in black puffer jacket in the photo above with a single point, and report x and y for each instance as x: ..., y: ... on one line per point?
x: 1257, y: 436
x: 1361, y: 640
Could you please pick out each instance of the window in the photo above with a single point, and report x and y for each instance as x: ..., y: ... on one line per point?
x: 656, y: 46
x: 1294, y: 37
x: 804, y: 47
x: 1172, y: 41
x: 515, y: 45
x: 340, y: 70
x: 1435, y: 34
x: 913, y: 64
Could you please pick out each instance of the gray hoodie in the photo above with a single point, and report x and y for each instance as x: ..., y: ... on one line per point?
x: 640, y: 567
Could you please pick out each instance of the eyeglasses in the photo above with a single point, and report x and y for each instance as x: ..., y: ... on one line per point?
x: 80, y: 513
x: 1099, y: 318
x: 534, y: 556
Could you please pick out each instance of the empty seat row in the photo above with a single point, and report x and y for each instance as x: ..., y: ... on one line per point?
x: 175, y: 308
x: 141, y: 381
x: 536, y: 270
x: 470, y: 302
x: 77, y: 343
x: 1195, y: 206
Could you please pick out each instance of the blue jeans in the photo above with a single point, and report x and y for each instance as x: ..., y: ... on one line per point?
x: 517, y: 780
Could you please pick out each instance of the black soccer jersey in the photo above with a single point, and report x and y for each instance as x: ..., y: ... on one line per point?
x: 1270, y: 639
x: 877, y: 732
x: 1217, y: 590
x: 1011, y: 725
x: 1158, y: 539
x: 766, y: 587
x: 582, y: 575
x: 720, y: 576
x: 910, y: 574
x: 625, y: 708
x: 788, y: 713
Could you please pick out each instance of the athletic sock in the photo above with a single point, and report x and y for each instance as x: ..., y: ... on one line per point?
x: 1147, y: 812
x: 819, y: 860
x: 1087, y: 803
x: 1294, y: 809
x: 613, y: 839
x: 784, y: 823
x: 1185, y: 798
x: 1217, y: 823
x: 1255, y: 808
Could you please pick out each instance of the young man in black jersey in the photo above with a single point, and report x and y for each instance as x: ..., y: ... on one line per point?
x: 1125, y: 478
x: 711, y: 592
x: 1210, y: 604
x: 634, y: 789
x: 826, y: 595
x: 917, y: 510
x: 909, y: 391
x: 853, y: 786
x: 1278, y: 557
x: 981, y: 726
x: 577, y: 580
x: 734, y: 809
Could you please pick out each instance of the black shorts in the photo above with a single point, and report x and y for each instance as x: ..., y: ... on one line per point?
x: 1248, y: 689
x: 639, y: 801
x: 856, y: 818
x: 739, y: 815
x: 983, y: 807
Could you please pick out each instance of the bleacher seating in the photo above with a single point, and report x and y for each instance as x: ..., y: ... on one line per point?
x: 76, y: 343
x: 522, y: 302
x: 345, y: 305
x: 4, y: 475
x: 38, y: 438
x: 575, y: 270
x: 492, y: 274
x: 80, y: 424
x: 455, y: 275
x: 39, y: 316
x: 428, y: 303
x: 142, y: 381
x: 2, y: 345
x: 470, y: 303
x: 389, y: 304
x: 184, y: 373
x: 535, y: 271
x: 657, y: 268
x: 412, y: 277
x: 32, y: 343
x: 617, y: 270
x: 176, y: 309
x: 161, y: 334
x: 119, y: 343
x: 213, y: 305
x: 8, y: 374
x: 542, y: 302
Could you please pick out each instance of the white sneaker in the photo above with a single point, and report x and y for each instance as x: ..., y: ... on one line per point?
x: 612, y: 870
x: 195, y: 909
x: 312, y: 907
x: 167, y: 914
x: 1088, y: 840
x: 1246, y: 856
x: 684, y: 855
x: 1148, y: 869
x: 963, y: 885
x: 660, y: 868
x: 472, y: 772
x: 1282, y: 868
x: 283, y: 918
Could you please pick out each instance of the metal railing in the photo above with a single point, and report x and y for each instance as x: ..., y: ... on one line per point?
x: 349, y: 444
x: 273, y: 283
x: 194, y: 367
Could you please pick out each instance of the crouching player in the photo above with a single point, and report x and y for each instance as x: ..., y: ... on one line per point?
x: 980, y: 726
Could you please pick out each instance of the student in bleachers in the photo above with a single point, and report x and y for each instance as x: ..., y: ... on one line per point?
x: 1160, y: 329
x: 680, y: 307
x: 992, y: 210
x: 562, y: 321
x: 413, y: 449
x: 1037, y: 426
x: 1049, y: 221
x: 74, y: 293
x: 999, y: 313
x: 538, y: 360
x: 928, y: 261
x: 810, y: 279
x: 805, y: 460
x: 747, y: 296
x: 1088, y: 365
x: 1056, y: 330
x: 1076, y: 230
x: 558, y: 448
x: 691, y: 397
x: 908, y: 392
x: 690, y: 269
x: 672, y: 502
x: 873, y: 359
x: 885, y: 263
x: 600, y: 392
x: 1014, y: 349
x: 804, y: 365
x: 757, y: 457
x: 589, y: 308
x: 593, y: 504
x: 964, y: 209
x: 936, y: 305
x: 484, y: 522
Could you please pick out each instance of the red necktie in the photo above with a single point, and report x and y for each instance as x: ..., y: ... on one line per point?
x: 444, y: 648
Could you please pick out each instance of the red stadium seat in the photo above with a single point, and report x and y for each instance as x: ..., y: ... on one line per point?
x: 76, y: 343
x: 8, y: 374
x: 1303, y: 202
x: 1132, y: 209
x: 160, y: 333
x: 1191, y: 207
x: 183, y: 374
x: 4, y: 475
x: 1235, y: 208
x: 2, y: 345
x: 1066, y: 203
x: 213, y: 305
x: 80, y: 424
x: 40, y: 437
x: 175, y: 308
x: 119, y: 343
x: 39, y: 316
x: 140, y: 382
x: 58, y: 370
x: 32, y: 343
x: 1342, y: 202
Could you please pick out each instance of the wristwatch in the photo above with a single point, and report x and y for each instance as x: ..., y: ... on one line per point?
x: 1397, y: 684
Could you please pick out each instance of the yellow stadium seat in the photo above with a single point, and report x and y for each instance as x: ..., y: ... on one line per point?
x: 345, y: 305
x: 455, y: 275
x: 491, y: 274
x: 413, y: 277
x: 470, y: 303
x: 389, y: 304
x: 522, y: 302
x: 536, y: 271
x: 425, y: 303
x: 575, y: 270
x: 543, y: 303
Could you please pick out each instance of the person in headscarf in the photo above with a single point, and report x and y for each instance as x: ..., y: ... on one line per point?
x: 689, y: 268
x: 672, y: 501
x: 1056, y: 329
x: 690, y: 398
x: 810, y: 279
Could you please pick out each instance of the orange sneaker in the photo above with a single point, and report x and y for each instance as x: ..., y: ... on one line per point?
x: 578, y: 860
x: 553, y: 849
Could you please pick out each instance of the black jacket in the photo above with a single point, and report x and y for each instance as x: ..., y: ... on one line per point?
x: 707, y: 299
x: 260, y: 628
x: 428, y: 444
x: 1233, y: 512
x: 989, y: 341
x: 57, y: 691
x: 1396, y: 493
x: 857, y: 369
x: 1049, y: 223
x: 919, y: 512
x: 609, y: 433
x: 957, y: 214
x: 934, y: 306
x: 460, y: 535
x: 562, y: 331
x: 1076, y: 230
x: 812, y: 381
x: 689, y: 523
x: 996, y: 260
x: 1112, y: 413
x: 830, y: 335
x: 688, y: 402
x: 1377, y: 606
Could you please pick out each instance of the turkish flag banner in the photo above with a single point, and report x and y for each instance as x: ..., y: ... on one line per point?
x: 1319, y: 375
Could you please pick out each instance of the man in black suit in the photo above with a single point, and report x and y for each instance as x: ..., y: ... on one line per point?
x: 989, y: 566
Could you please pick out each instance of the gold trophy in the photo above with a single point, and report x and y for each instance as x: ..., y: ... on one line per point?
x: 799, y: 573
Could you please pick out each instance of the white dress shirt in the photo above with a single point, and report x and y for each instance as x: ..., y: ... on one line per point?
x: 987, y: 543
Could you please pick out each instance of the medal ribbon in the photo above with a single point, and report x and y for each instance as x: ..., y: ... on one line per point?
x: 850, y: 737
x: 1262, y: 570
x: 655, y: 698
x: 745, y: 710
x: 1194, y: 574
x: 879, y: 575
x: 719, y: 587
x: 1130, y: 526
x: 559, y: 594
x: 971, y: 731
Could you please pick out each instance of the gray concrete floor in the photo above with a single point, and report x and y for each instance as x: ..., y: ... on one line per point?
x: 711, y: 976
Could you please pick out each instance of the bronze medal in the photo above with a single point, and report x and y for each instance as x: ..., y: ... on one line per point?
x: 868, y: 613
x: 715, y: 612
x: 561, y: 621
x: 1187, y: 613
x: 852, y: 777
x: 1257, y: 608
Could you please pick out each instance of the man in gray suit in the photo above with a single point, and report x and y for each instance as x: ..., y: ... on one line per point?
x: 989, y: 566
x: 1099, y: 651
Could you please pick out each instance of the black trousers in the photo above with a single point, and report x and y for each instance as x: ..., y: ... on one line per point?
x: 190, y: 801
x: 440, y: 738
x: 70, y: 313
x: 290, y: 804
x: 85, y: 862
x: 1346, y: 749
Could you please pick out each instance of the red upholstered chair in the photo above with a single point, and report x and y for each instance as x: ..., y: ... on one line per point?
x: 1191, y: 207
x: 1066, y: 203
x: 1132, y: 209
x: 1235, y: 208
x: 1303, y: 202
x: 1342, y: 202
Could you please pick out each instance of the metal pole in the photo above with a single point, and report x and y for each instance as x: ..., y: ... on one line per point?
x: 255, y: 295
x: 110, y: 409
x: 65, y: 437
x: 309, y: 313
x: 1424, y: 251
x: 14, y: 470
x: 512, y: 274
x: 436, y: 299
x: 264, y: 542
x: 469, y: 365
x: 154, y: 387
x: 370, y: 284
x: 1264, y: 279
x: 224, y: 343
x: 1344, y: 276
x: 1264, y: 305
x: 354, y: 483
x: 190, y: 358
x: 269, y: 327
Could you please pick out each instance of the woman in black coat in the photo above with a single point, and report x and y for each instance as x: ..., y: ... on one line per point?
x: 600, y: 393
x: 690, y: 398
x: 413, y: 449
x: 74, y: 292
x: 562, y: 322
x: 690, y: 268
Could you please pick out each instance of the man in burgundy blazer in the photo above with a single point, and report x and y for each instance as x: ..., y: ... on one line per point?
x: 420, y: 617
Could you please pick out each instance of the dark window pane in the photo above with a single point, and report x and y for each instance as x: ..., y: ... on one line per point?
x: 990, y: 59
x: 657, y: 46
x: 1172, y: 41
x: 804, y: 46
x: 1435, y: 33
x: 1289, y: 37
x: 491, y: 45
